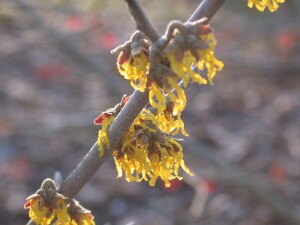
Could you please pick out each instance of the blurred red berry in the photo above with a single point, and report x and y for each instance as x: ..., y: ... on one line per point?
x: 285, y: 41
x: 277, y: 172
x: 49, y: 70
x: 74, y: 22
x: 108, y: 41
x: 208, y: 186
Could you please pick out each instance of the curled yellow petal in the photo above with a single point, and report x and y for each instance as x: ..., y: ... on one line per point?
x: 156, y: 97
x: 102, y: 135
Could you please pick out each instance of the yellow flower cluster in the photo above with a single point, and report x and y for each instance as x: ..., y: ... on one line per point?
x: 147, y: 153
x: 189, y: 51
x: 191, y: 46
x: 207, y: 60
x: 148, y: 149
x: 46, y: 205
x: 261, y: 5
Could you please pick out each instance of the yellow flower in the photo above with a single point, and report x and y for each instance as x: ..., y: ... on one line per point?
x: 205, y: 59
x: 105, y: 119
x: 40, y: 215
x: 103, y: 135
x: 187, y: 53
x: 46, y: 204
x: 146, y: 153
x: 134, y: 68
x: 133, y: 60
x: 182, y: 67
x: 272, y: 5
x: 165, y: 162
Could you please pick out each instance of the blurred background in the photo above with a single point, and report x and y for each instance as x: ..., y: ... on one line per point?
x: 57, y: 75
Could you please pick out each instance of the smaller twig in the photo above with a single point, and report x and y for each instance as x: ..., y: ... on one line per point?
x: 207, y: 8
x: 200, y: 198
x: 142, y: 21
